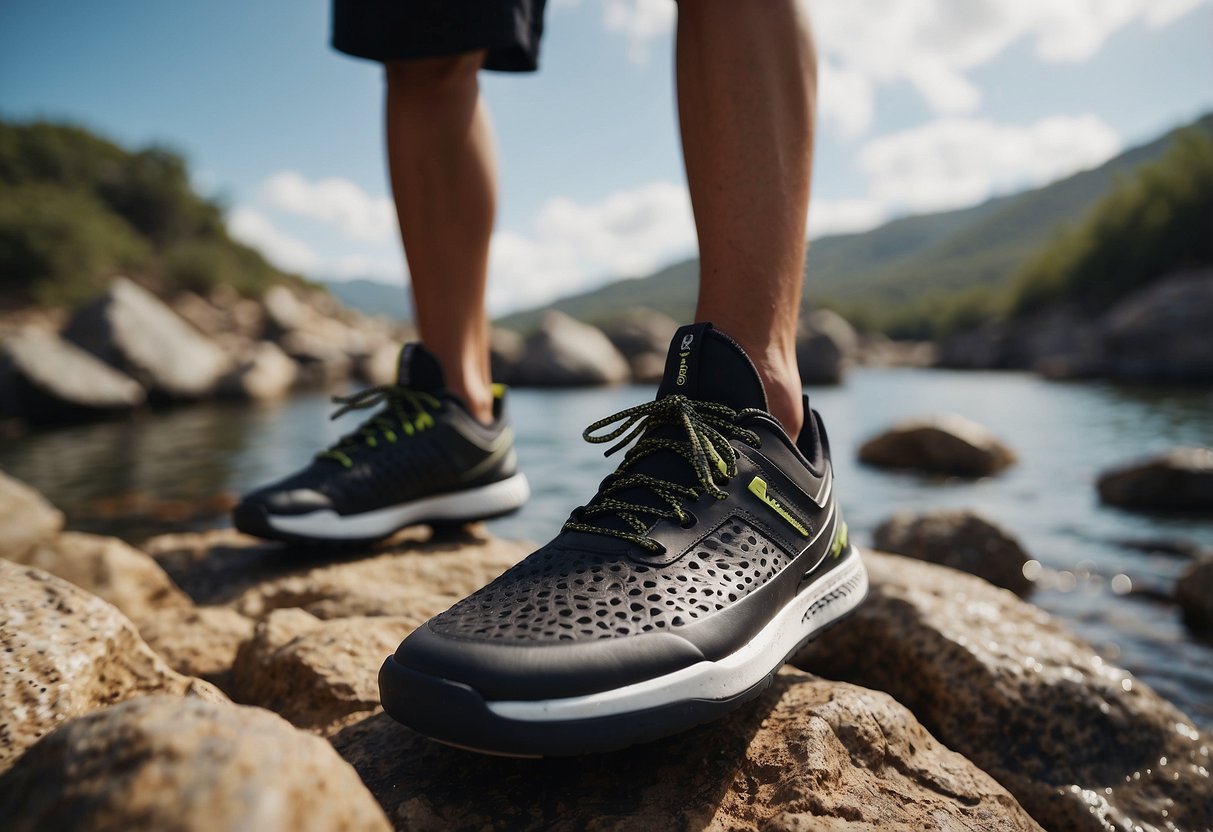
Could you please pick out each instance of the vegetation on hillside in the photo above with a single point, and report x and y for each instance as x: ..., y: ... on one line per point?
x: 76, y: 209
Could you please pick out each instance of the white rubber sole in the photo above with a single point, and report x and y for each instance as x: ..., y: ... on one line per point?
x: 474, y: 504
x: 812, y: 610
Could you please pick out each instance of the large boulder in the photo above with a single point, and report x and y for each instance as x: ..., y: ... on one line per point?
x: 809, y: 754
x: 1080, y: 743
x: 265, y: 373
x: 946, y: 444
x: 961, y: 540
x: 1180, y: 479
x: 824, y: 346
x: 1194, y: 593
x: 316, y: 673
x: 64, y: 653
x: 641, y: 330
x: 1161, y: 332
x: 131, y: 329
x: 164, y: 763
x: 506, y: 349
x: 110, y: 569
x: 45, y: 379
x: 26, y: 518
x: 568, y: 353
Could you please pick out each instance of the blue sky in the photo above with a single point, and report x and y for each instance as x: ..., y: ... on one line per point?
x: 925, y: 104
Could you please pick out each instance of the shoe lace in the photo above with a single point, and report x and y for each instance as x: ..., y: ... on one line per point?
x: 708, y: 427
x: 406, y: 410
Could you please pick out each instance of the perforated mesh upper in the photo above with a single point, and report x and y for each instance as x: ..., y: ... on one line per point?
x: 561, y: 595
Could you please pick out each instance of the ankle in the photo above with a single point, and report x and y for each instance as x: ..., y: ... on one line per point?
x: 478, y: 398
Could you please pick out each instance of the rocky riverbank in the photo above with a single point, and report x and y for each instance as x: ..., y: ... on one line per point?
x: 210, y: 681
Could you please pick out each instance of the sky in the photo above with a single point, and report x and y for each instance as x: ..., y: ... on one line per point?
x: 924, y: 105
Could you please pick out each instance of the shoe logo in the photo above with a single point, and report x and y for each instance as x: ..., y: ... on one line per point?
x: 682, y: 358
x: 758, y: 487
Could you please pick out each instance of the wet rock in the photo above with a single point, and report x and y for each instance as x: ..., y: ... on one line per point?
x: 46, y: 380
x: 1180, y: 479
x: 132, y: 330
x: 1194, y: 593
x: 506, y: 349
x: 26, y: 518
x: 164, y: 763
x: 111, y: 570
x: 316, y: 673
x: 641, y: 331
x: 825, y: 344
x: 264, y: 374
x: 1161, y: 332
x: 568, y: 353
x: 808, y: 754
x: 1081, y: 744
x: 946, y: 444
x: 960, y: 540
x: 64, y: 653
x: 199, y: 641
x: 414, y: 575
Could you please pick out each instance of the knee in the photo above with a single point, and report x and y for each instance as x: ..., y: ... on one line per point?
x: 440, y: 76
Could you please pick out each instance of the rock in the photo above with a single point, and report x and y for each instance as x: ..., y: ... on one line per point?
x: 66, y: 653
x: 132, y: 330
x: 960, y: 540
x: 1161, y: 332
x: 284, y: 312
x: 111, y: 570
x: 410, y: 576
x: 316, y: 673
x: 506, y: 349
x: 267, y: 373
x: 876, y: 350
x: 825, y: 344
x: 26, y: 518
x: 1081, y: 744
x: 946, y: 444
x: 199, y: 641
x: 164, y: 763
x: 1194, y: 594
x: 641, y: 331
x: 1180, y: 479
x: 808, y: 754
x: 45, y: 380
x: 380, y: 365
x: 648, y: 368
x: 568, y: 353
x: 321, y: 358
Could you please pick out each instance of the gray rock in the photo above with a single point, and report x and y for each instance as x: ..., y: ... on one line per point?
x: 380, y: 365
x: 568, y: 353
x: 164, y: 763
x: 946, y: 444
x: 824, y: 346
x: 1080, y: 743
x: 266, y: 373
x: 130, y: 329
x: 506, y: 349
x: 27, y: 519
x: 1161, y: 333
x: 1194, y: 594
x: 640, y: 331
x: 45, y: 379
x: 960, y: 540
x: 1180, y: 479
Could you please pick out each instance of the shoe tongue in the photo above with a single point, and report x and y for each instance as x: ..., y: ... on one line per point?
x: 417, y: 368
x: 705, y: 364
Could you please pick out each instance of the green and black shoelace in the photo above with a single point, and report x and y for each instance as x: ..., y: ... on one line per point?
x: 406, y: 412
x: 708, y: 427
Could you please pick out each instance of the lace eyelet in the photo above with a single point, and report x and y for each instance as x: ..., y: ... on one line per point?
x: 689, y: 520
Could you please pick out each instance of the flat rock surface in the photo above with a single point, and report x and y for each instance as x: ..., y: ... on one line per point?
x: 64, y: 653
x: 1081, y: 744
x: 26, y: 518
x: 808, y: 754
x: 199, y: 641
x: 943, y: 444
x: 159, y: 763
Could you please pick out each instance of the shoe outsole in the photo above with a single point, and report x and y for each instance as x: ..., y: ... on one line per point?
x: 455, y: 714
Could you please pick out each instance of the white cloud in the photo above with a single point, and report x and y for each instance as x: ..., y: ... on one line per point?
x: 639, y: 21
x: 573, y: 245
x: 284, y: 251
x: 845, y: 216
x: 952, y: 162
x: 335, y: 202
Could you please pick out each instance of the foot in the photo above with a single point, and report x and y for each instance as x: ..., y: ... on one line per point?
x: 421, y: 458
x: 712, y: 553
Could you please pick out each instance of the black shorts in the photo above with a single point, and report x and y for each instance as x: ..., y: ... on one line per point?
x: 393, y: 30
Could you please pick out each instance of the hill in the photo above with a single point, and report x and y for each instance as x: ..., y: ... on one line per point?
x: 373, y: 297
x: 910, y: 277
x: 77, y: 209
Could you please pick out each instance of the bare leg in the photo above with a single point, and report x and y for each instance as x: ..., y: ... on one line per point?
x: 747, y: 75
x: 443, y: 168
